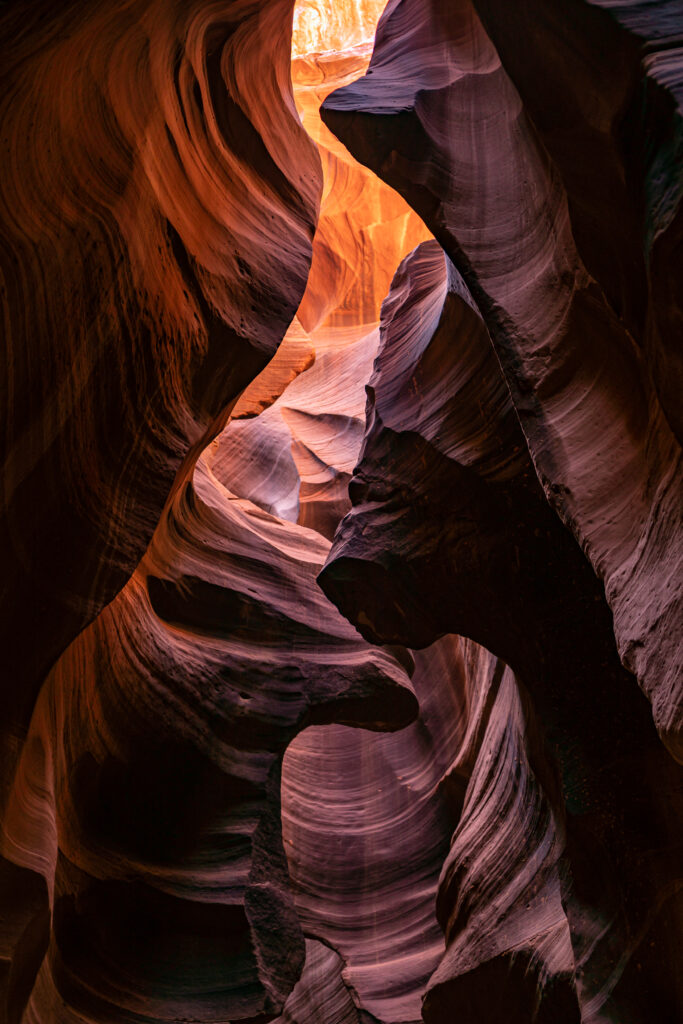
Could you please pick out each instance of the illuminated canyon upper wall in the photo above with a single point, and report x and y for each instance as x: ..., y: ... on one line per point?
x: 341, y: 512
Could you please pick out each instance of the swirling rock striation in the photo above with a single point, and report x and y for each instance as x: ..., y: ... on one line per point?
x: 157, y: 206
x: 508, y: 955
x: 385, y: 808
x: 193, y: 830
x: 365, y: 802
x: 295, y: 460
x: 438, y: 117
x: 450, y: 532
x: 148, y: 793
x: 611, y: 117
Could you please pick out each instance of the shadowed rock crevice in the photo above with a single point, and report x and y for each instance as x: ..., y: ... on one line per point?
x: 438, y: 117
x: 219, y: 798
x: 450, y: 532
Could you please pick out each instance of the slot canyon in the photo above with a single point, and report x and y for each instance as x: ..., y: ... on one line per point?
x: 341, y: 526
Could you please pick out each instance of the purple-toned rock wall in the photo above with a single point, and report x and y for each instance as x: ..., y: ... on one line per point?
x: 340, y: 512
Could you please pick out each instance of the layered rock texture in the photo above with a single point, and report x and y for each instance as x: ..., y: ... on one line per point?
x: 151, y: 196
x: 341, y: 512
x: 451, y: 533
x: 148, y: 792
x: 584, y: 386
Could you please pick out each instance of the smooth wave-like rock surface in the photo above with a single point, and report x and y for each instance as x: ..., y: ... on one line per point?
x: 438, y: 117
x: 450, y: 532
x: 148, y: 791
x: 158, y: 199
x: 374, y: 795
x: 367, y: 797
x: 508, y: 955
x: 295, y: 460
x: 209, y: 434
x: 611, y: 117
x: 364, y: 798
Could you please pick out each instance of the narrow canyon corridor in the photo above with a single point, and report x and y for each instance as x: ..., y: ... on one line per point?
x: 341, y: 512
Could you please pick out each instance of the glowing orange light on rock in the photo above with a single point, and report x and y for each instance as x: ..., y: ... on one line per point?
x: 365, y: 228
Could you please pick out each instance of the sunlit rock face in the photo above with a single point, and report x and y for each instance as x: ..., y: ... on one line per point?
x: 365, y: 228
x: 454, y: 525
x: 295, y: 460
x: 325, y: 26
